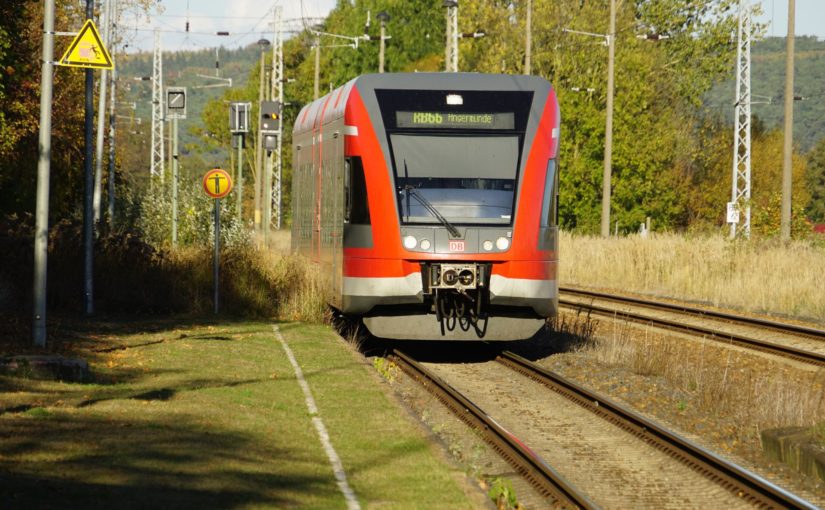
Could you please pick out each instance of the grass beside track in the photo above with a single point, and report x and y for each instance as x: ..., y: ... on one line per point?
x: 201, y: 415
x: 764, y: 276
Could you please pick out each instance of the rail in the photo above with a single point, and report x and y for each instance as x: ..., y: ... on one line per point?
x: 748, y: 486
x: 702, y: 312
x: 810, y: 357
x: 544, y: 478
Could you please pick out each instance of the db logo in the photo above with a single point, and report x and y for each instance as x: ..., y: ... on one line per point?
x: 456, y: 245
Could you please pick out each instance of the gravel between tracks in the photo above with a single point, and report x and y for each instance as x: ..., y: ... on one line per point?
x: 651, y: 395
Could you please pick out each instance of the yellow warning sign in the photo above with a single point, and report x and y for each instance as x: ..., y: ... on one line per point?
x: 217, y: 183
x: 87, y: 50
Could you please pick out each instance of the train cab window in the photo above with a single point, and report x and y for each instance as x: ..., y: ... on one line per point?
x: 550, y: 202
x: 356, y: 206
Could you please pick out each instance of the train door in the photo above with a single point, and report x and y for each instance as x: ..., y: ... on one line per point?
x: 337, y: 216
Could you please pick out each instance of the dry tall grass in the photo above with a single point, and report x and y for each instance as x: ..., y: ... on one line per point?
x: 255, y: 282
x: 758, y: 275
x: 717, y: 382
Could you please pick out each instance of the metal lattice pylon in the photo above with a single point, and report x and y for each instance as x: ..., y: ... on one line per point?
x: 156, y: 168
x: 741, y: 185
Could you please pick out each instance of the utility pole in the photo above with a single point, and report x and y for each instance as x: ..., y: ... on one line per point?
x: 739, y: 209
x: 259, y: 167
x: 528, y: 37
x: 317, y: 64
x: 383, y: 17
x: 41, y: 232
x: 112, y: 80
x: 451, y: 55
x: 787, y: 160
x: 608, y: 134
x: 101, y: 115
x: 88, y: 199
x: 156, y: 167
x: 276, y: 94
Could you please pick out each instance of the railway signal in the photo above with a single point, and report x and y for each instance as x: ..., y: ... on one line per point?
x: 270, y: 115
x: 239, y: 126
x: 175, y: 110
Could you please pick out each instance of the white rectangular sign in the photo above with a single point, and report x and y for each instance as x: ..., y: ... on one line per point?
x: 733, y: 213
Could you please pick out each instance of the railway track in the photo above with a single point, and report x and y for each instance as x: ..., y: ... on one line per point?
x: 716, y: 333
x: 744, y: 485
x: 558, y: 491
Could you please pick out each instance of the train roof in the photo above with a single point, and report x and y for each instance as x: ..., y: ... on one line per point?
x: 338, y: 98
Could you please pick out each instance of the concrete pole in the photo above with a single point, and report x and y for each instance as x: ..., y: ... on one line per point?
x: 317, y: 65
x: 88, y: 199
x: 448, y: 41
x: 111, y: 193
x: 454, y: 34
x: 528, y: 38
x: 787, y: 160
x: 258, y: 151
x: 175, y: 181
x: 41, y: 232
x: 101, y: 117
x: 608, y: 134
x: 381, y: 47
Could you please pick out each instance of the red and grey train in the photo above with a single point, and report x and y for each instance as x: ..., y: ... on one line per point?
x: 430, y: 202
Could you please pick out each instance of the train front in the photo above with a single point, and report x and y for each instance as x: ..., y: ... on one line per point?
x: 457, y: 235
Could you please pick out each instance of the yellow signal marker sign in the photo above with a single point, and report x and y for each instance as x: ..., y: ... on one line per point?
x: 87, y: 50
x: 217, y: 183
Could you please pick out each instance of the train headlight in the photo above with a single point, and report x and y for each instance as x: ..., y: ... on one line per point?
x: 502, y: 243
x: 487, y: 245
x: 425, y: 244
x: 410, y: 242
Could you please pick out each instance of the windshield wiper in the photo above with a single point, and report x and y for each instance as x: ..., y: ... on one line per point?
x: 411, y: 191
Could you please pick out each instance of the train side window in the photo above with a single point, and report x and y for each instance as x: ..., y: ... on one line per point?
x: 550, y: 202
x: 357, y: 209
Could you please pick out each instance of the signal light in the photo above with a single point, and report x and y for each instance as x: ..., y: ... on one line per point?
x: 270, y: 113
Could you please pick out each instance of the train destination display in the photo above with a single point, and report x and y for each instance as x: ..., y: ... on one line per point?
x: 454, y: 120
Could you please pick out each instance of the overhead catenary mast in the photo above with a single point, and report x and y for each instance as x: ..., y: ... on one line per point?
x: 156, y: 168
x: 741, y: 182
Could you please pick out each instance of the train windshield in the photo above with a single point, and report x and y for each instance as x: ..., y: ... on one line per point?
x: 465, y: 179
x: 455, y: 154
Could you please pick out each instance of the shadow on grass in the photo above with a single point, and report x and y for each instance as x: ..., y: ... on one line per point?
x: 165, y: 393
x: 72, y: 335
x: 88, y: 462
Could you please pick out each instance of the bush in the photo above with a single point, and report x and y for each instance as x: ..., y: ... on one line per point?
x: 133, y: 276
